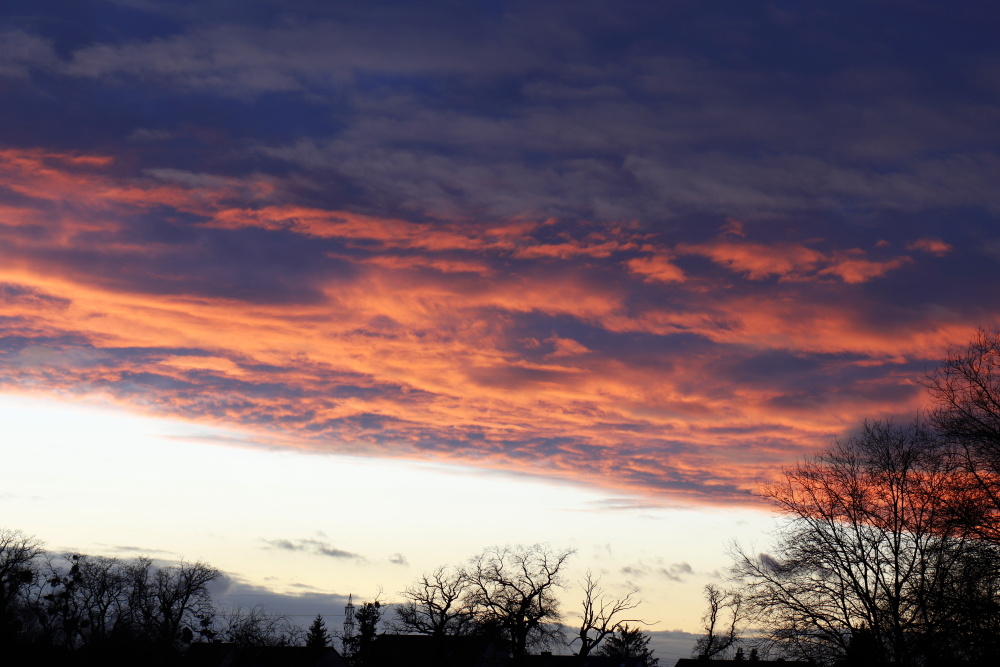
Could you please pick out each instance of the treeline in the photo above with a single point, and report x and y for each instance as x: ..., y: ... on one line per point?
x: 508, y: 594
x: 80, y: 609
x: 890, y: 552
x: 89, y: 608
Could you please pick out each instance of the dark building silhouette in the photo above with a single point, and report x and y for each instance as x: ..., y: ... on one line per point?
x: 230, y: 655
x: 746, y: 662
x: 427, y: 651
x: 549, y: 660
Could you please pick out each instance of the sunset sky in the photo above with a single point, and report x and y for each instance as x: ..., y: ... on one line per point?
x: 331, y: 293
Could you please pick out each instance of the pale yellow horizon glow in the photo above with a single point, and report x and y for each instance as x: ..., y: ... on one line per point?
x: 97, y: 479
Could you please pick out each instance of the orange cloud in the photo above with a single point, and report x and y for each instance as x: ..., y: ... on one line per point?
x: 854, y: 269
x: 522, y: 345
x: 931, y: 245
x: 733, y: 229
x: 566, y: 347
x: 756, y: 260
x: 443, y: 265
x: 790, y: 261
x: 656, y: 267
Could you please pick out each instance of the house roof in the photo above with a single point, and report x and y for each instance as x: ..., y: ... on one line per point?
x: 575, y: 661
x: 230, y: 655
x: 429, y: 651
x: 698, y: 662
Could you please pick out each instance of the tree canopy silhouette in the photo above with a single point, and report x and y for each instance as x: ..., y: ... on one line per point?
x: 514, y: 587
x: 317, y: 636
x: 875, y: 550
x: 628, y: 642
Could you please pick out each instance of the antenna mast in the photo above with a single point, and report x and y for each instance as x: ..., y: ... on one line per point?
x: 347, y: 639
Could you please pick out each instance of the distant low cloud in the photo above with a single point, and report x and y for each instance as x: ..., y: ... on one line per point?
x: 624, y: 504
x: 769, y: 563
x: 230, y: 591
x: 671, y: 645
x: 132, y: 551
x: 676, y: 571
x: 672, y: 572
x: 312, y: 546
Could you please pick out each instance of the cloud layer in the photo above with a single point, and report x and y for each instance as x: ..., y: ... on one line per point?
x: 547, y: 240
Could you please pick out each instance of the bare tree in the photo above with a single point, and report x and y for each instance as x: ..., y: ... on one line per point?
x: 514, y: 588
x: 87, y: 600
x: 259, y: 626
x: 602, y: 614
x: 870, y: 553
x: 166, y: 600
x: 722, y: 620
x: 965, y: 390
x: 18, y: 571
x: 436, y: 605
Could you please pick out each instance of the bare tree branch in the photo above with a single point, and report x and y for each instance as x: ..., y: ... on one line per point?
x: 602, y: 615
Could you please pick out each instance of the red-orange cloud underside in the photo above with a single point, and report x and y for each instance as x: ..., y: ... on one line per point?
x: 583, y: 352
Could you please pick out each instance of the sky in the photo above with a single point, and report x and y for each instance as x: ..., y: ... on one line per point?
x: 491, y: 271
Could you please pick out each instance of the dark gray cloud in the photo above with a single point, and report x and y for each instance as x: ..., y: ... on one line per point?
x: 672, y: 645
x: 133, y: 551
x: 574, y: 111
x: 312, y: 546
x: 230, y: 592
x: 671, y: 572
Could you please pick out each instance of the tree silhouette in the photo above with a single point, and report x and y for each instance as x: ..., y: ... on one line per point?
x: 95, y: 609
x: 871, y: 542
x: 258, y: 626
x: 88, y: 601
x: 720, y: 635
x: 367, y: 616
x: 167, y: 599
x: 436, y: 605
x: 317, y: 636
x: 18, y: 572
x: 601, y: 614
x: 965, y: 391
x: 628, y: 642
x: 514, y: 588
